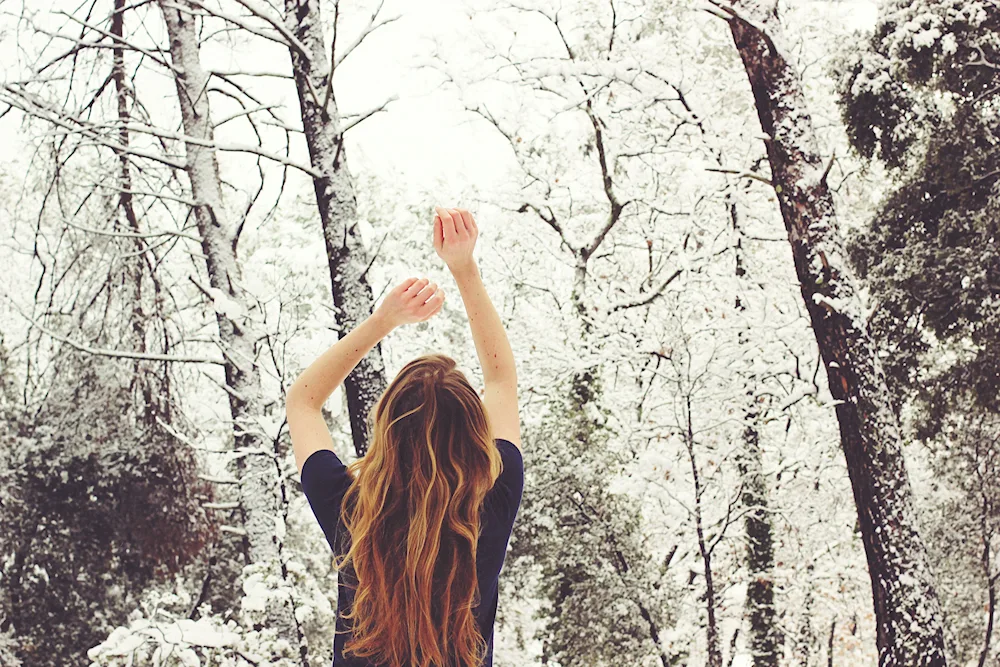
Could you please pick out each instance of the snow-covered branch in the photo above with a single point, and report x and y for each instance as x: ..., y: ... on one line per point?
x: 31, y: 105
x: 221, y: 146
x: 648, y: 298
x: 357, y: 118
x: 284, y: 36
x: 369, y: 28
x: 119, y: 354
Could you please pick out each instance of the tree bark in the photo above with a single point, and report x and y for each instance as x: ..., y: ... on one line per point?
x: 907, y: 608
x: 261, y: 489
x: 712, y: 635
x: 338, y: 209
x: 765, y: 638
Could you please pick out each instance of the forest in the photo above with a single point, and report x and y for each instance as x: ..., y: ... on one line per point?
x: 747, y: 253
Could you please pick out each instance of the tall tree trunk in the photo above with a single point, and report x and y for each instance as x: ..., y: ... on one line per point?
x: 150, y: 380
x: 765, y: 636
x: 765, y: 639
x: 338, y: 209
x: 907, y: 608
x: 805, y: 634
x: 261, y: 488
x: 125, y: 204
x: 713, y: 636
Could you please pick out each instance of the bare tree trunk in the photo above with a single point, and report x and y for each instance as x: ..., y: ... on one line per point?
x: 991, y: 584
x: 802, y: 648
x: 907, y: 609
x: 338, y: 210
x: 154, y: 399
x: 765, y: 639
x: 829, y: 642
x: 125, y: 200
x: 712, y: 634
x: 261, y: 489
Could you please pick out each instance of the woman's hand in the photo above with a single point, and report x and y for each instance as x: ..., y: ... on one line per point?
x: 413, y: 300
x: 455, y: 234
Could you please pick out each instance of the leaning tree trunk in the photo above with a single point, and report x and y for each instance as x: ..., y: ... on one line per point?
x: 907, y: 609
x: 261, y: 489
x: 338, y: 209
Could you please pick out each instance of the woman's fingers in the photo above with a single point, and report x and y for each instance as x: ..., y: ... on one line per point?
x: 448, y: 221
x: 455, y: 223
x: 427, y: 292
x: 460, y: 220
x: 434, y: 304
x: 438, y: 233
x: 416, y: 299
x: 470, y: 224
x: 439, y: 217
x: 436, y: 298
x: 460, y: 224
x: 419, y: 291
x: 415, y: 286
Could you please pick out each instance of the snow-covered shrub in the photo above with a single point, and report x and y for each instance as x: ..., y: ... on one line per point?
x: 160, y: 634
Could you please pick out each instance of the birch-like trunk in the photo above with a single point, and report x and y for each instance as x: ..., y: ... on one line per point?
x: 338, y: 209
x: 907, y: 609
x: 261, y: 488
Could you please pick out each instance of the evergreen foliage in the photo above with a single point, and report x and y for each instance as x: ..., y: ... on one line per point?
x: 604, y: 601
x: 92, y: 509
x: 922, y: 97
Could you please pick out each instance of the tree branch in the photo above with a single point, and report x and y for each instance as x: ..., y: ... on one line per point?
x: 649, y: 297
x: 366, y: 114
x: 261, y: 13
x: 121, y: 354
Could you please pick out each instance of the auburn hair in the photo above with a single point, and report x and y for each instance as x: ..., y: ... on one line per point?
x: 413, y: 515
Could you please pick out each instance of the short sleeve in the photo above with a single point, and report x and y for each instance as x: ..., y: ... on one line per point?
x: 325, y: 480
x: 509, y: 486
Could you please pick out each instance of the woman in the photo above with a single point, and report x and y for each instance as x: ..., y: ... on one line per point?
x: 420, y: 525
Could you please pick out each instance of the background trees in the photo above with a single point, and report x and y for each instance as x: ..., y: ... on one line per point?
x: 907, y: 607
x: 198, y: 178
x: 918, y: 96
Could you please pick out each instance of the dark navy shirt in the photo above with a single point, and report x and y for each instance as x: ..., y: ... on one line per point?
x: 325, y: 480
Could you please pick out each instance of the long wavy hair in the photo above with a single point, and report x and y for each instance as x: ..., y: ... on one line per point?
x: 413, y: 514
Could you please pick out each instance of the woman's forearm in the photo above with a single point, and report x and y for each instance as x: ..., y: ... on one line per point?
x: 492, y: 346
x: 323, y: 376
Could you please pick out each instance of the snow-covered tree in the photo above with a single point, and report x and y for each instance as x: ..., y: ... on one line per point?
x: 159, y: 180
x: 92, y: 510
x: 907, y: 607
x: 919, y: 95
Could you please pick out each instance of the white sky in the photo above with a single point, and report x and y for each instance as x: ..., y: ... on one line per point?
x: 424, y: 136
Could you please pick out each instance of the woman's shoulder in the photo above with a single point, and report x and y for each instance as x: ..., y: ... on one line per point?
x: 512, y: 474
x: 509, y: 451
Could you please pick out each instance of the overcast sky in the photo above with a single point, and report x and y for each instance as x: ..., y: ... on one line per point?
x: 426, y: 134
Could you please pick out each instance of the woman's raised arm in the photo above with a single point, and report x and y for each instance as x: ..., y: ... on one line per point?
x: 455, y: 234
